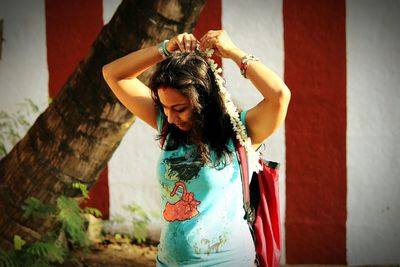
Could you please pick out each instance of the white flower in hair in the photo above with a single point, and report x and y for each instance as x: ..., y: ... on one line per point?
x: 237, y: 125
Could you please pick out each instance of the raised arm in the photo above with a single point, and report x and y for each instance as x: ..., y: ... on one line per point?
x: 121, y: 76
x: 267, y: 116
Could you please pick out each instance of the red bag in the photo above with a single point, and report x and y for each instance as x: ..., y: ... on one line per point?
x: 261, y: 204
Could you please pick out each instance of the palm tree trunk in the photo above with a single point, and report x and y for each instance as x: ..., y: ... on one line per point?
x: 76, y: 135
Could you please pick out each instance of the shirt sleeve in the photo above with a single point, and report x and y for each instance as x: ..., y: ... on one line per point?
x: 243, y: 118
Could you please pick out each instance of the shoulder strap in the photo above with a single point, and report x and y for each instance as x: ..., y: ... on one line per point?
x: 244, y: 170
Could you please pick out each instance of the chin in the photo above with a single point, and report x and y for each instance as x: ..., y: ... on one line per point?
x: 183, y: 127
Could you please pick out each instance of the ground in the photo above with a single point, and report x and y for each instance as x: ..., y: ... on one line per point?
x: 116, y: 254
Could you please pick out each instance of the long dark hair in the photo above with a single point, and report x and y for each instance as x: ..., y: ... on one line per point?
x: 190, y: 74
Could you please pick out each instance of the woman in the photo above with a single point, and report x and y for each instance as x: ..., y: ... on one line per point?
x: 198, y: 171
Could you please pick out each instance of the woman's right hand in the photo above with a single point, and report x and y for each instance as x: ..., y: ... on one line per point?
x: 184, y: 42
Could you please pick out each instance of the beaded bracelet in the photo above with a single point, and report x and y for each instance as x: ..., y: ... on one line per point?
x: 244, y: 63
x: 162, y: 49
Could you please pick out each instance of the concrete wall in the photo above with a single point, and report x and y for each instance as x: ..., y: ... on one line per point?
x: 373, y: 132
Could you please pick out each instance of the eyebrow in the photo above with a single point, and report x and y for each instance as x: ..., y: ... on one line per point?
x: 173, y: 106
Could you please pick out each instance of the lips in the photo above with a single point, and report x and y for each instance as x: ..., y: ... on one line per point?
x: 180, y: 125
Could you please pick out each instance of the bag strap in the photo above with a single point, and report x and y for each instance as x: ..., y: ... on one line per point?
x: 244, y: 171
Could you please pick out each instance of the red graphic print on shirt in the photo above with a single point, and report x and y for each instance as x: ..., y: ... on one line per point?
x: 183, y: 209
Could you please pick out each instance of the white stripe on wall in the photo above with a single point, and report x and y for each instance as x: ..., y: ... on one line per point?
x: 23, y: 63
x: 132, y: 168
x: 373, y: 132
x: 109, y: 7
x: 257, y: 28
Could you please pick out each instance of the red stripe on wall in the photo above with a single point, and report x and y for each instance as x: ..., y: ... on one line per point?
x: 315, y: 71
x: 209, y: 19
x: 71, y: 27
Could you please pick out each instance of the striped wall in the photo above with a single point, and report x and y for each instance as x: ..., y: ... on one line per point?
x: 373, y: 132
x: 339, y: 149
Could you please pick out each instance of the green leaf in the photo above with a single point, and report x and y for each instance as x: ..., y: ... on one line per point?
x: 34, y: 108
x: 140, y: 221
x: 49, y: 252
x: 82, y: 187
x: 18, y: 242
x: 140, y: 231
x: 6, y: 260
x: 36, y: 209
x: 73, y: 223
x: 15, y: 124
x: 95, y: 212
x: 3, y: 150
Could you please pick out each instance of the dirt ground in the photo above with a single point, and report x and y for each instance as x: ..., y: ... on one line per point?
x: 123, y: 254
x: 119, y: 255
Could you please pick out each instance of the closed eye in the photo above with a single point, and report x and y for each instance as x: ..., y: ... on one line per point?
x: 180, y: 109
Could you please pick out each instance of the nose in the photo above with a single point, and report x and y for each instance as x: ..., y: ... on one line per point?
x: 170, y: 116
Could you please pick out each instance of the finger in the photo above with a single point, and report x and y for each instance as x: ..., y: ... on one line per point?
x: 179, y: 42
x: 208, y: 43
x: 194, y: 45
x: 187, y: 42
x: 193, y: 42
x: 209, y: 34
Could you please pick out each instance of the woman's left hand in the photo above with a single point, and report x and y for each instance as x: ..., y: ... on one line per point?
x: 220, y: 42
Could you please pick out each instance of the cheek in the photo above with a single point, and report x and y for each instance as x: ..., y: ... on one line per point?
x: 186, y: 116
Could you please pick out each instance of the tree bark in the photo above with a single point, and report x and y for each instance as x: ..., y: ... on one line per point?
x: 76, y: 135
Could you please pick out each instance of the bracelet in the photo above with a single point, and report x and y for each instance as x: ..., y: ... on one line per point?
x: 245, y: 62
x: 162, y: 49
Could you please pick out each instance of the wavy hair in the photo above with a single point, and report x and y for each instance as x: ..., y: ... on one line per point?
x: 191, y: 75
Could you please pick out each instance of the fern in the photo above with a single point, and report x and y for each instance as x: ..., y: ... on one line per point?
x: 72, y: 221
x: 51, y: 249
x: 140, y: 221
x: 36, y: 209
x: 82, y: 188
x: 47, y: 251
x: 140, y: 231
x: 95, y: 212
x: 114, y: 220
x: 6, y: 260
x: 11, y: 125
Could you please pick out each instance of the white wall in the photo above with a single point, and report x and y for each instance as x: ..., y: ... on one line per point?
x: 23, y: 63
x: 373, y: 131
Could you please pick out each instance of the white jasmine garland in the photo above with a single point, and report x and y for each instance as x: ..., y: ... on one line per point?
x: 238, y: 127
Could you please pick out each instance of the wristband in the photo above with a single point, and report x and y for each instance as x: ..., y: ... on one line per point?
x: 162, y: 49
x: 244, y: 63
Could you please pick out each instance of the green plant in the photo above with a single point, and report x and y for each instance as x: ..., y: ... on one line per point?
x: 14, y: 124
x: 139, y: 219
x: 52, y: 248
x: 115, y: 220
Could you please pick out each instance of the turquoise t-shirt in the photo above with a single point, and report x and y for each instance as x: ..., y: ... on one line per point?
x: 202, y: 206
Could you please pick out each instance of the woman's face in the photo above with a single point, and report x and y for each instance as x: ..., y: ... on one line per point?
x: 177, y: 107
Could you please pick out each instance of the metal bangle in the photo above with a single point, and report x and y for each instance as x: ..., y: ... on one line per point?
x: 164, y: 46
x: 162, y: 49
x: 244, y: 63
